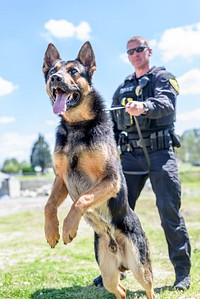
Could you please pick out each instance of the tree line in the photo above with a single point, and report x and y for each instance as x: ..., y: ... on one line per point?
x: 41, y: 158
x: 190, y: 147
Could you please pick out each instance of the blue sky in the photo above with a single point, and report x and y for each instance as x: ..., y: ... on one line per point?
x: 26, y: 28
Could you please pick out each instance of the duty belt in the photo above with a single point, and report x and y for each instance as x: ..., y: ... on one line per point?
x: 156, y: 141
x: 136, y: 143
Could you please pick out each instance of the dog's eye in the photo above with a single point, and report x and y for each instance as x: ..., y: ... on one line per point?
x: 72, y: 72
x: 52, y: 71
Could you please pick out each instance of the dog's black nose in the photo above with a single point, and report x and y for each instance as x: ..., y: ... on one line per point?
x: 56, y: 77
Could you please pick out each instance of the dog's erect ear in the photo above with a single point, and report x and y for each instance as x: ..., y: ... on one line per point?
x: 50, y: 56
x: 87, y: 58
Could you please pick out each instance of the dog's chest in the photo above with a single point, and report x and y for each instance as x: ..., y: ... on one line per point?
x: 73, y: 161
x: 86, y: 167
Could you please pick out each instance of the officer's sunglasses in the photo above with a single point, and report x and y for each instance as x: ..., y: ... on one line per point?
x: 137, y: 49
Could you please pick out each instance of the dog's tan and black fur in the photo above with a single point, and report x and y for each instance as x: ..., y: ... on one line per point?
x: 87, y: 168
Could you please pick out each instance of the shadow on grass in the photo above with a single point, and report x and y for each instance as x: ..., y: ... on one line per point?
x: 162, y: 289
x: 75, y: 292
x: 88, y: 292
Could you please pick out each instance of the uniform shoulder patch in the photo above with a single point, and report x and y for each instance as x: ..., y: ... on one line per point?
x: 174, y: 84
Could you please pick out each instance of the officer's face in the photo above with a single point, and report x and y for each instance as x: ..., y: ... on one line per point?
x: 139, y: 57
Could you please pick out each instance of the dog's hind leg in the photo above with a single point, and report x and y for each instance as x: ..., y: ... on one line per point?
x: 146, y: 280
x: 142, y: 272
x: 111, y: 279
x: 108, y: 264
x: 144, y: 276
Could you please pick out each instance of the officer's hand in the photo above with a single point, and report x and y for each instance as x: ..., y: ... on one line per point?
x: 135, y: 108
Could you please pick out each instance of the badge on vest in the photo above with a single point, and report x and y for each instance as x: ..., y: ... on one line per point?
x: 138, y: 91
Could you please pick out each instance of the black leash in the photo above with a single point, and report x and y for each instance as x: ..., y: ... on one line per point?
x: 144, y: 149
x: 142, y: 142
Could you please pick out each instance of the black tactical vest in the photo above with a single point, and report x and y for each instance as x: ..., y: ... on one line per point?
x: 131, y: 91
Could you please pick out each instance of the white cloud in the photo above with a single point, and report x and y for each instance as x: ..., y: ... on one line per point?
x: 190, y: 115
x: 180, y: 42
x: 7, y: 119
x: 124, y: 57
x: 50, y: 139
x: 190, y: 82
x: 6, y: 87
x: 153, y: 43
x: 16, y: 145
x: 187, y: 121
x: 65, y: 29
x: 60, y: 29
x: 83, y: 31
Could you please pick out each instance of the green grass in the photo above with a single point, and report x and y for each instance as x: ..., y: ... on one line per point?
x: 30, y: 269
x: 32, y: 176
x: 189, y: 173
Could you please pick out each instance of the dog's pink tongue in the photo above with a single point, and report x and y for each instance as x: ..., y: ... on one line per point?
x: 59, y: 106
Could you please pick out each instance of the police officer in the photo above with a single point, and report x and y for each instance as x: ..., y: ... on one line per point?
x: 149, y: 99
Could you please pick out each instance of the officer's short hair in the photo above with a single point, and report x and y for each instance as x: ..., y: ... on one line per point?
x: 140, y: 39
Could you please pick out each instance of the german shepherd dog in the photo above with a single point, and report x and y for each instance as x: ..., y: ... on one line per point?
x: 87, y: 167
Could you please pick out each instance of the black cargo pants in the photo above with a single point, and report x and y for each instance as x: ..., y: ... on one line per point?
x: 163, y: 176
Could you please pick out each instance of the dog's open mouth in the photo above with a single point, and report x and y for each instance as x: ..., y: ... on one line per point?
x: 64, y: 100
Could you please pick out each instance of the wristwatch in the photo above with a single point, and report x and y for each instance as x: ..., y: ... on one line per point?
x: 146, y: 108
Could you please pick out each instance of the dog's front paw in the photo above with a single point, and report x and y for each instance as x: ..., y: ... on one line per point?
x: 51, y: 226
x: 70, y: 229
x: 52, y: 231
x: 52, y: 235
